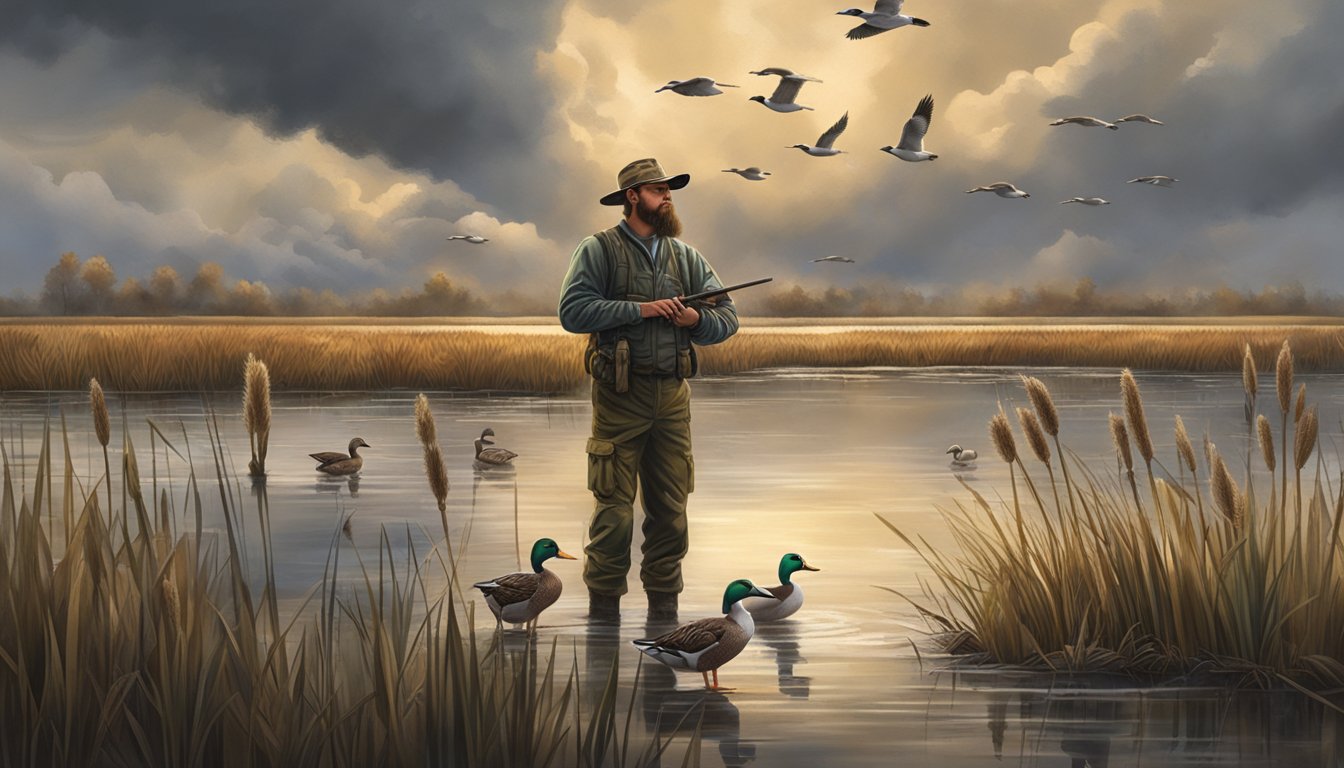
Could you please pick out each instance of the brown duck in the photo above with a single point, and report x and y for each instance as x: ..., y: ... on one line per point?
x: 705, y: 645
x: 519, y: 598
x: 337, y: 463
x: 491, y: 457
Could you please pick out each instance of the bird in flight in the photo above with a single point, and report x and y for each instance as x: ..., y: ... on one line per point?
x: 1086, y: 201
x: 824, y: 147
x: 473, y: 239
x: 1000, y: 188
x: 911, y: 146
x: 696, y: 86
x: 1086, y: 121
x: 751, y: 174
x: 886, y: 15
x: 1156, y: 181
x: 835, y: 259
x: 790, y: 82
x: 1139, y: 119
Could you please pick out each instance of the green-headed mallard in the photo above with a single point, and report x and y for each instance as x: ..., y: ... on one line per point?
x: 705, y: 645
x: 337, y: 463
x: 786, y: 598
x: 519, y: 598
x: 491, y: 457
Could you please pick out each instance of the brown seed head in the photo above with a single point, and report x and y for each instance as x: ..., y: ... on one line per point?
x: 1266, y: 441
x: 256, y: 396
x: 1120, y: 436
x: 1183, y: 447
x: 437, y: 474
x: 1002, y: 436
x: 102, y: 422
x: 1035, y: 435
x: 1134, y: 410
x: 1301, y: 402
x: 1043, y: 403
x: 424, y: 422
x: 172, y: 604
x: 1305, y: 441
x: 1225, y: 492
x: 1248, y: 379
x: 1283, y: 376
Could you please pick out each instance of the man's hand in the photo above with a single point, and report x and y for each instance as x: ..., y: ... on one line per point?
x: 687, y: 318
x: 668, y: 309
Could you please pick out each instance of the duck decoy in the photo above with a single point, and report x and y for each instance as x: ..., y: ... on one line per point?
x: 337, y: 463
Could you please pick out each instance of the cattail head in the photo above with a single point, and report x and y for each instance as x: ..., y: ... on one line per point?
x: 424, y: 422
x: 1002, y: 436
x: 1226, y: 495
x: 1134, y: 410
x: 102, y: 422
x: 1120, y: 436
x: 1043, y: 403
x: 1035, y: 435
x: 1301, y: 402
x: 1183, y: 447
x: 1266, y: 441
x: 1305, y: 441
x: 256, y: 396
x: 1283, y: 376
x: 172, y: 604
x: 437, y: 474
x: 1248, y: 379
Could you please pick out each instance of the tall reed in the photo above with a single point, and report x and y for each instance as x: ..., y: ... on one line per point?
x: 257, y: 412
x: 1283, y: 385
x: 102, y: 429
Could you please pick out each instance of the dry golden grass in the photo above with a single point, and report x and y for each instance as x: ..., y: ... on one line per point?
x: 190, y: 356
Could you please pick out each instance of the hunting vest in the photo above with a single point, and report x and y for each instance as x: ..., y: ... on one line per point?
x: 654, y: 345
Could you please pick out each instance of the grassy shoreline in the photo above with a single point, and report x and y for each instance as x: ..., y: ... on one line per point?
x: 194, y: 354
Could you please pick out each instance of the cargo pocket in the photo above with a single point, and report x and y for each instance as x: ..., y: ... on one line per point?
x: 690, y: 473
x: 601, y: 466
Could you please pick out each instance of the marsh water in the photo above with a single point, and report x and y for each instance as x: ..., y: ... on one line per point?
x: 786, y: 461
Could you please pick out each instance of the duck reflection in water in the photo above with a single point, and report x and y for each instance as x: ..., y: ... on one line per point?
x: 669, y: 712
x: 333, y: 484
x: 782, y: 638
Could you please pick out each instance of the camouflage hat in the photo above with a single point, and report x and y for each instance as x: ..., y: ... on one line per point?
x: 646, y: 171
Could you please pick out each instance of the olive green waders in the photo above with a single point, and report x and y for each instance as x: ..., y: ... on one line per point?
x: 641, y: 438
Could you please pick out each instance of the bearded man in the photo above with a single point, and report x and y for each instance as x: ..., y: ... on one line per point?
x: 623, y: 288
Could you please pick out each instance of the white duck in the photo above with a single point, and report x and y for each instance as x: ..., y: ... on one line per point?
x: 696, y: 86
x: 911, y: 147
x: 824, y: 147
x: 962, y: 456
x: 885, y: 16
x: 1000, y: 188
x: 790, y: 82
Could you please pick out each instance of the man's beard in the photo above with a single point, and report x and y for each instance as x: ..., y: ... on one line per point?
x: 663, y: 219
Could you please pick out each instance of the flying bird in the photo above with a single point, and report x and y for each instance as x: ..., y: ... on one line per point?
x: 824, y: 146
x: 473, y: 239
x: 1087, y: 121
x: 886, y: 15
x: 1156, y: 181
x: 1000, y: 188
x: 751, y: 173
x: 790, y: 83
x: 1139, y: 119
x: 835, y: 259
x: 696, y: 86
x: 1086, y: 201
x: 911, y: 147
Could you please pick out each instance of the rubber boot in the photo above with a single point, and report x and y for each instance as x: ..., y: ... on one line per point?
x: 604, y: 608
x: 662, y: 606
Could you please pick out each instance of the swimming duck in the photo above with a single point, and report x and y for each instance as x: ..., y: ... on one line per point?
x: 337, y: 463
x: 705, y: 645
x: 787, y: 598
x: 491, y: 457
x: 519, y: 598
x: 961, y: 455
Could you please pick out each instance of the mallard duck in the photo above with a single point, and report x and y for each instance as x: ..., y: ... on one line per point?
x: 705, y: 645
x: 786, y: 598
x: 337, y: 463
x: 519, y: 598
x: 491, y: 457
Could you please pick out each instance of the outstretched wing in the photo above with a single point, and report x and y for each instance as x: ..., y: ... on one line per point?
x: 864, y: 30
x: 828, y: 138
x: 698, y: 86
x: 888, y: 7
x: 787, y: 90
x: 912, y: 138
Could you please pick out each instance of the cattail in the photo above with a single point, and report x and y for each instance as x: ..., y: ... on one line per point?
x: 1225, y: 492
x: 1002, y: 436
x: 1035, y: 435
x: 1248, y: 379
x: 1134, y: 410
x: 257, y: 411
x: 1301, y: 403
x: 437, y: 474
x: 1184, y: 449
x: 1283, y: 376
x: 172, y: 603
x: 1120, y: 436
x: 102, y: 422
x: 1305, y: 441
x: 424, y: 422
x: 1266, y: 441
x: 1043, y: 403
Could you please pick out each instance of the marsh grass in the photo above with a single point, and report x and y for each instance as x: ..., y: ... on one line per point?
x: 1252, y: 596
x: 124, y: 642
x: 191, y: 356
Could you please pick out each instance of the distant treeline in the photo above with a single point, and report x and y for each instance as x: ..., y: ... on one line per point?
x: 91, y: 287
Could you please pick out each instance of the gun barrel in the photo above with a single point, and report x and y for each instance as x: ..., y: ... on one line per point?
x: 721, y: 291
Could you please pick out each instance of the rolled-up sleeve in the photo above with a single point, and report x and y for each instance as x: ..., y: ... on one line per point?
x: 583, y: 306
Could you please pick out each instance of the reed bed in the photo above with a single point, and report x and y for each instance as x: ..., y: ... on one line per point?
x: 190, y: 356
x: 126, y: 642
x: 1247, y: 588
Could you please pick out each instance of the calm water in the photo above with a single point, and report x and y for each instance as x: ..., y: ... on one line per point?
x: 787, y: 461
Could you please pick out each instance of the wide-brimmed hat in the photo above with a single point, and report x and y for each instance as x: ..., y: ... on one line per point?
x: 646, y: 171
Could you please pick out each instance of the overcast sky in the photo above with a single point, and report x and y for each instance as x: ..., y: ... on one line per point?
x: 336, y: 143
